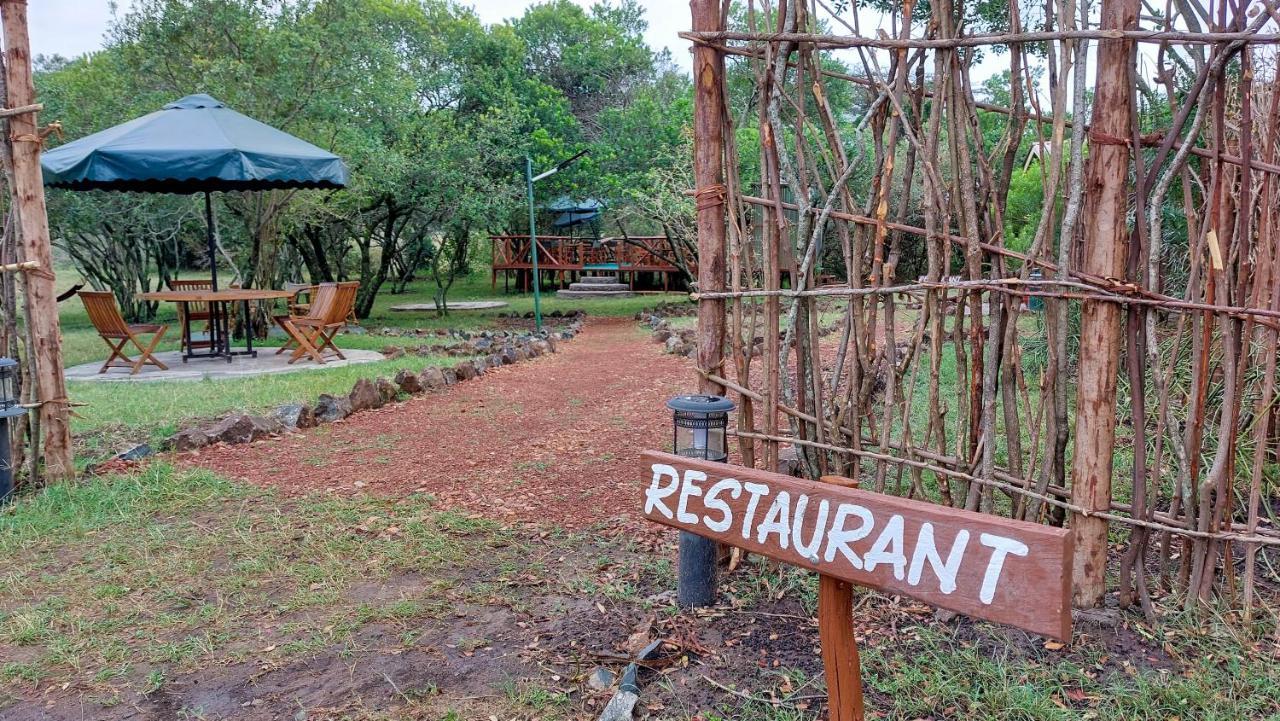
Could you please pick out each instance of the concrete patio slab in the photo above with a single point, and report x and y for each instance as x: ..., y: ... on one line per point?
x: 198, y: 369
x: 460, y: 305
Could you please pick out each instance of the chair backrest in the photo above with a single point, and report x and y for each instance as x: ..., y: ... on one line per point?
x: 192, y: 284
x: 104, y: 314
x: 344, y: 303
x: 322, y: 301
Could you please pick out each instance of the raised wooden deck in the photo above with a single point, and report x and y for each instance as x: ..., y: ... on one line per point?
x: 562, y: 260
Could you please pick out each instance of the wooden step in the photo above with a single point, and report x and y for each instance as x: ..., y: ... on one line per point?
x: 580, y: 294
x: 598, y: 287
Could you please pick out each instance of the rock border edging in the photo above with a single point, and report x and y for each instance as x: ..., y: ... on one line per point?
x: 367, y: 394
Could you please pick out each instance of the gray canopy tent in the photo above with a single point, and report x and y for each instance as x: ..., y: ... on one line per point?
x: 193, y: 145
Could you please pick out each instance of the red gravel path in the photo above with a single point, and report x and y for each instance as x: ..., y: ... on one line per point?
x: 552, y: 440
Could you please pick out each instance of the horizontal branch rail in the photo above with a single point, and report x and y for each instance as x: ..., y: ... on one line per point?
x: 999, y: 285
x: 1254, y: 538
x: 1091, y: 284
x: 1148, y: 140
x: 969, y: 41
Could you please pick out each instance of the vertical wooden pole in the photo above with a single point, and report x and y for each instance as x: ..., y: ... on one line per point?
x: 708, y: 170
x: 839, y: 646
x: 1106, y: 204
x: 697, y: 554
x: 28, y: 198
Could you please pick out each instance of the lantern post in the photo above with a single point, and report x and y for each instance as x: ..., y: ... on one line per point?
x: 698, y: 424
x: 9, y: 408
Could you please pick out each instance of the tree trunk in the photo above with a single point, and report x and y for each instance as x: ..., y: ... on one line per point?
x: 28, y: 199
x: 1106, y: 204
x: 708, y: 169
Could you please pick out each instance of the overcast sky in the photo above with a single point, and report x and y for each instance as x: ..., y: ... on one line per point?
x: 72, y: 27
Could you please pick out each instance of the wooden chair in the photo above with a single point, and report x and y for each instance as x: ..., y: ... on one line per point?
x: 296, y: 306
x: 188, y: 312
x: 318, y: 308
x: 115, y: 332
x: 313, y: 333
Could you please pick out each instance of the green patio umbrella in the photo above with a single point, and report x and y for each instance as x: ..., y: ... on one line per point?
x: 193, y: 145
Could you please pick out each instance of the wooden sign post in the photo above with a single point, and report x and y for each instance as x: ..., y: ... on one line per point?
x: 988, y: 567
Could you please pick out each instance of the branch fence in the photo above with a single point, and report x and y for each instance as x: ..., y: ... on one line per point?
x: 1112, y: 368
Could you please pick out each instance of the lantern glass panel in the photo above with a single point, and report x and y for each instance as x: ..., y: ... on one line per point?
x: 8, y: 383
x: 707, y: 443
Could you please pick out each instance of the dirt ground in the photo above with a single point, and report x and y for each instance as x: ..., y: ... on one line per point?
x: 554, y: 440
x: 567, y: 581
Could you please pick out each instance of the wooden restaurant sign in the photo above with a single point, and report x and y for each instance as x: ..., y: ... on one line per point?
x: 985, y: 566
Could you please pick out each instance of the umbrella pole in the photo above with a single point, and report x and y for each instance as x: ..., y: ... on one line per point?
x: 213, y: 250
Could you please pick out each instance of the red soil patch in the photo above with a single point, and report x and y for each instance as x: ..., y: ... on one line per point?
x: 553, y: 440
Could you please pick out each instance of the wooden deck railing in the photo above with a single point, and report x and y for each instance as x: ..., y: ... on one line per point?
x: 643, y: 254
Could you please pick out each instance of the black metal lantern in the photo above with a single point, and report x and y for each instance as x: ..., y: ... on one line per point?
x: 699, y: 423
x: 9, y: 408
x: 8, y: 384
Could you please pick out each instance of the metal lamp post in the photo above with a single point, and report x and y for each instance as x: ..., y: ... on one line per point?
x: 9, y: 408
x: 530, y: 179
x: 699, y: 423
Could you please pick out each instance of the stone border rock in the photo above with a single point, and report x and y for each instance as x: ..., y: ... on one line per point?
x: 678, y: 342
x: 489, y: 349
x: 685, y: 342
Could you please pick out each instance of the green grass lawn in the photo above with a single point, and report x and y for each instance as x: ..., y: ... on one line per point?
x: 174, y: 592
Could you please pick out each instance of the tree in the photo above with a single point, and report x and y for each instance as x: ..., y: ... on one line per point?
x: 432, y: 111
x: 595, y: 59
x: 124, y: 243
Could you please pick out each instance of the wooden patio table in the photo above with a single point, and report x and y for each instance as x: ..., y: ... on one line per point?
x: 219, y: 316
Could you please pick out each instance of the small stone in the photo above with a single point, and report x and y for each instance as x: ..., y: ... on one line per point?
x: 464, y: 371
x: 289, y: 415
x: 1103, y: 617
x: 307, y: 418
x: 408, y: 381
x: 392, y: 352
x: 387, y: 390
x: 450, y: 377
x: 494, y: 360
x: 432, y: 378
x: 480, y: 365
x: 189, y: 439
x: 332, y: 408
x: 600, y: 679
x: 243, y: 428
x: 661, y: 336
x: 673, y: 344
x: 137, y: 453
x: 364, y: 396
